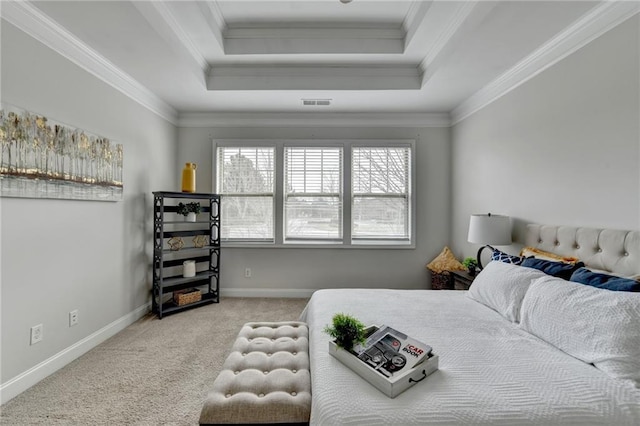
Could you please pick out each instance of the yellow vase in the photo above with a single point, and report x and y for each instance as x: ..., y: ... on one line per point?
x: 189, y: 177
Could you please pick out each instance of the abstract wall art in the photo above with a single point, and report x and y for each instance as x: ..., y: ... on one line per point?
x: 44, y: 159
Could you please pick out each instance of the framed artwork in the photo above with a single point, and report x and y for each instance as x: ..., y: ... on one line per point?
x: 44, y: 159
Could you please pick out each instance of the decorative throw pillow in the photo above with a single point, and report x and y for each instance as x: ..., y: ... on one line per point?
x: 635, y: 277
x: 546, y: 255
x: 605, y: 281
x: 501, y: 286
x: 445, y: 261
x: 597, y: 326
x: 557, y: 269
x: 506, y: 258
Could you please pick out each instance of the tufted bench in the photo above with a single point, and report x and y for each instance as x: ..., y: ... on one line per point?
x: 265, y: 379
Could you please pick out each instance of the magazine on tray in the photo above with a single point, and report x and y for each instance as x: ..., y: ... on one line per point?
x: 391, y: 352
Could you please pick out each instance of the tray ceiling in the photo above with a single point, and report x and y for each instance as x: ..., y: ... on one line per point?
x: 366, y: 56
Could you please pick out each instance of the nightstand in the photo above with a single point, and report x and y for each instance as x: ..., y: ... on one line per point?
x: 461, y: 280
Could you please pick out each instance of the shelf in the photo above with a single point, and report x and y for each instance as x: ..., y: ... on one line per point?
x: 176, y: 222
x: 173, y: 208
x: 170, y: 307
x: 184, y: 286
x: 177, y: 280
x: 182, y: 250
x: 188, y: 233
x: 168, y: 264
x: 171, y: 263
x: 198, y: 195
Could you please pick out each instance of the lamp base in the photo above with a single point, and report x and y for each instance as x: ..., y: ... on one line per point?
x: 478, y: 257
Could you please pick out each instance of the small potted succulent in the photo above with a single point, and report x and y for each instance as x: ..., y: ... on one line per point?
x: 346, y: 330
x: 189, y: 211
x: 471, y: 264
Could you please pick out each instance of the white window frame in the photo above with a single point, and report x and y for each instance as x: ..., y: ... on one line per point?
x: 340, y: 195
x: 278, y: 198
x: 408, y: 196
x: 276, y: 165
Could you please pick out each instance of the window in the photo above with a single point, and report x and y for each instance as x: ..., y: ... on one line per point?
x: 317, y: 193
x: 380, y: 193
x: 312, y: 193
x: 246, y: 182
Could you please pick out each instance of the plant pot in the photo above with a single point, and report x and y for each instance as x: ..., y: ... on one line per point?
x: 190, y: 217
x: 472, y: 270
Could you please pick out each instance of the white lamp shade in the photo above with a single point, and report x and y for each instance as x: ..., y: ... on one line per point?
x: 489, y: 229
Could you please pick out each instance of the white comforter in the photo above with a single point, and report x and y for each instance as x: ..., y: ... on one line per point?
x: 491, y: 372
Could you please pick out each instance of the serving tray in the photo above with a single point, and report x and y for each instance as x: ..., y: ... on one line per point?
x: 390, y: 386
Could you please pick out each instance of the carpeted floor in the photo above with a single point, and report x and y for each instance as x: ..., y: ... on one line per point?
x: 152, y: 373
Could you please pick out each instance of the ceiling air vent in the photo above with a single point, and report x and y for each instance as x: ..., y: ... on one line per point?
x: 316, y: 102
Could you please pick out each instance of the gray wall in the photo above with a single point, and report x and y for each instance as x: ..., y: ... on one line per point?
x: 563, y: 148
x: 282, y: 271
x: 60, y: 255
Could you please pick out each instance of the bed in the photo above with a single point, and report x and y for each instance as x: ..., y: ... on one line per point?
x: 530, y: 362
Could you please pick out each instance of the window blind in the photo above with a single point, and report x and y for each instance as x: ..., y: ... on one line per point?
x: 313, y: 193
x: 245, y: 180
x: 381, y: 201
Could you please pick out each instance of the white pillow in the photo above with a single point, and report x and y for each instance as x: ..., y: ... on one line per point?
x: 598, y: 326
x: 501, y: 286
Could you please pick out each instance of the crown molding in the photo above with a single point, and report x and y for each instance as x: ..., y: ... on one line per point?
x: 292, y: 38
x: 453, y: 26
x: 416, y: 14
x: 216, y: 14
x: 160, y: 17
x: 293, y: 30
x: 306, y: 119
x: 321, y: 77
x: 36, y: 24
x: 599, y: 20
x: 213, y: 16
x: 592, y: 25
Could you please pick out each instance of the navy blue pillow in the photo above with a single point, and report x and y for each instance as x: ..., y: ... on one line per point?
x: 557, y: 269
x: 608, y: 282
x: 506, y: 258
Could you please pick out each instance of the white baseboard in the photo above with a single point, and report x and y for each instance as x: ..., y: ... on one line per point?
x: 267, y: 292
x: 24, y: 381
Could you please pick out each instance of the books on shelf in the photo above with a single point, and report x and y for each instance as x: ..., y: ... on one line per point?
x: 391, y: 352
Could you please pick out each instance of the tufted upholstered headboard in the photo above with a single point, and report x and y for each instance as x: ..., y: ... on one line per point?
x: 605, y: 249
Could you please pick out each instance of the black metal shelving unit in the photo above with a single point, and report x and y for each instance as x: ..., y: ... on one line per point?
x: 166, y: 261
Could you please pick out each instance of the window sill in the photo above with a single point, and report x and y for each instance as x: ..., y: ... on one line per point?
x: 380, y: 245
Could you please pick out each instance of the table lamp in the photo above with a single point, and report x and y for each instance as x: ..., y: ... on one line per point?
x: 487, y: 229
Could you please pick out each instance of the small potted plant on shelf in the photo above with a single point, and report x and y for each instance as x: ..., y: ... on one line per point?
x: 346, y: 330
x: 189, y: 211
x: 471, y: 264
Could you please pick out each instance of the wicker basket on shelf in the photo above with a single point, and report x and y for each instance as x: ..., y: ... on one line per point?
x: 440, y: 267
x: 184, y: 297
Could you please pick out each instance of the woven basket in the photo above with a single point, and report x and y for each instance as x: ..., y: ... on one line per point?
x: 441, y: 281
x: 184, y: 297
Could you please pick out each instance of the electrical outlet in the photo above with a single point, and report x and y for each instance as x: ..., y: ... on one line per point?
x: 73, y: 318
x: 247, y: 272
x: 36, y: 334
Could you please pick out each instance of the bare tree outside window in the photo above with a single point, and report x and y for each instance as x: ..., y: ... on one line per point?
x: 313, y: 198
x: 246, y: 182
x: 311, y: 186
x: 380, y: 187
